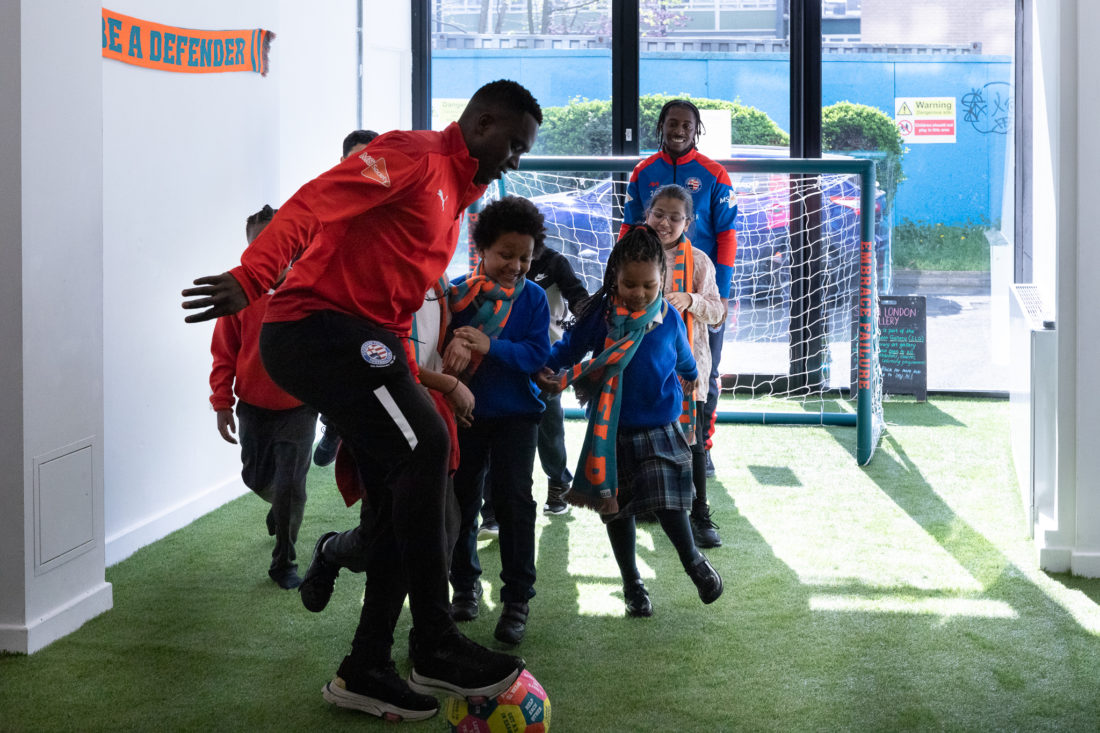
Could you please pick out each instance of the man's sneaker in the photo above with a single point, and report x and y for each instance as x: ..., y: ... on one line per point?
x: 513, y: 623
x: 703, y: 528
x: 380, y: 692
x: 316, y: 587
x: 489, y: 530
x: 706, y: 579
x: 325, y: 452
x: 555, y: 499
x: 638, y: 604
x: 460, y: 667
x: 466, y: 604
x: 711, y: 473
x: 286, y: 577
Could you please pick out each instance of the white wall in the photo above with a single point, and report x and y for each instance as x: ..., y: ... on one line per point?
x: 387, y: 66
x: 317, y: 87
x: 1065, y: 152
x: 12, y: 505
x: 51, y: 323
x: 1087, y: 397
x: 187, y: 157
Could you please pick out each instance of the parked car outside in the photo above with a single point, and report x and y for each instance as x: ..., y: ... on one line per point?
x: 583, y: 224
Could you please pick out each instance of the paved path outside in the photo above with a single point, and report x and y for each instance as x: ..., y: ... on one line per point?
x: 967, y: 333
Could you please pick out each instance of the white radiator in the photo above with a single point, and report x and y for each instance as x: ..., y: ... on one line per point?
x: 1033, y: 346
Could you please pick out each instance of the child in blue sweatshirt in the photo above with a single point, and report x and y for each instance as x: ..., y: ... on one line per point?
x: 635, y: 458
x: 498, y: 339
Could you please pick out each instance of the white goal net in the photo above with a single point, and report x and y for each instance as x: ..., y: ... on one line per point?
x: 792, y: 337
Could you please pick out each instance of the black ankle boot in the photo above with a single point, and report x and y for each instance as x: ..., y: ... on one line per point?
x: 706, y: 579
x: 466, y: 604
x: 513, y: 623
x: 638, y: 604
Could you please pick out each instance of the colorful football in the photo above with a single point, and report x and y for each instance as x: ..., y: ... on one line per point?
x: 523, y: 707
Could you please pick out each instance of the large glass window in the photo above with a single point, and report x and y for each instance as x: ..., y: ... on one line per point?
x: 561, y: 51
x: 927, y: 90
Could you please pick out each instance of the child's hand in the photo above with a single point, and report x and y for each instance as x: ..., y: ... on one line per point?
x: 680, y: 301
x: 477, y: 340
x: 461, y: 400
x: 226, y: 425
x: 456, y: 357
x: 548, y: 381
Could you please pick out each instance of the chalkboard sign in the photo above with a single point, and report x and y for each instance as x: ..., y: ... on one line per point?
x: 903, y: 345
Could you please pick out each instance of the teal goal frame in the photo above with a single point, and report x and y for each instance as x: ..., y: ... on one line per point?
x: 867, y: 418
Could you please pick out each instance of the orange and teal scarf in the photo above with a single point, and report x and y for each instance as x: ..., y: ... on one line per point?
x: 493, y: 303
x: 683, y: 278
x: 596, y: 480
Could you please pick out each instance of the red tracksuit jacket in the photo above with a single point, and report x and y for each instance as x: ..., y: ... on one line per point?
x: 381, y: 227
x: 236, y: 350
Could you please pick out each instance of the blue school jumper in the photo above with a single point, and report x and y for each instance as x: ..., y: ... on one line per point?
x: 651, y: 393
x: 503, y: 438
x: 502, y: 384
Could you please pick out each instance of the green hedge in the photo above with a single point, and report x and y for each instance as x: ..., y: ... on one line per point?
x: 583, y: 127
x: 848, y: 126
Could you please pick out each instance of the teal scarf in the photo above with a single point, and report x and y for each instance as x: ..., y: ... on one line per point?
x: 493, y: 303
x: 596, y: 480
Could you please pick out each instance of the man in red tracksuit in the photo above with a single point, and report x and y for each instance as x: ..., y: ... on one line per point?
x: 381, y: 227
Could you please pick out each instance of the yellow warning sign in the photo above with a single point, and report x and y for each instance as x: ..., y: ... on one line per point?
x: 925, y: 119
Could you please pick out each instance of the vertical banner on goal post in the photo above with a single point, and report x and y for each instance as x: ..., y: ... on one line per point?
x: 868, y: 397
x: 168, y: 48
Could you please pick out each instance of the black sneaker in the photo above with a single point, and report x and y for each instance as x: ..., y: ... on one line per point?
x: 703, y: 528
x: 706, y: 579
x: 380, y: 692
x: 285, y: 577
x: 555, y: 500
x: 711, y: 473
x: 638, y: 604
x: 325, y: 452
x: 466, y: 604
x: 317, y: 586
x: 458, y: 666
x: 513, y: 623
x: 489, y: 530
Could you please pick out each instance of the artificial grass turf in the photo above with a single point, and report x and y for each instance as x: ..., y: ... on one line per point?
x: 899, y: 596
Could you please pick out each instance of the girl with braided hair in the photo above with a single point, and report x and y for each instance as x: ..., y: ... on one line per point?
x: 635, y: 458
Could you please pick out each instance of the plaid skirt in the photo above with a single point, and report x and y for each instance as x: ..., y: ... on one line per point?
x: 654, y: 471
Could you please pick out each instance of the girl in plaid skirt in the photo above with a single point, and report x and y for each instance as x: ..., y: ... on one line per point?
x: 635, y: 458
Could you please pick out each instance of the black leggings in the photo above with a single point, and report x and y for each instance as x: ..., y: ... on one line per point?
x: 357, y: 374
x: 699, y: 458
x: 623, y: 535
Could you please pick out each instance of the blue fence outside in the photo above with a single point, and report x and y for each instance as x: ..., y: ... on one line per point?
x: 945, y: 182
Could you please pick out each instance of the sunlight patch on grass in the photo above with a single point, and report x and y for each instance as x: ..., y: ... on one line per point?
x: 852, y: 533
x: 947, y: 607
x: 599, y: 599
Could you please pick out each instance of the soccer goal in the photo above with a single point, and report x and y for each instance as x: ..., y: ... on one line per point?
x: 801, y: 338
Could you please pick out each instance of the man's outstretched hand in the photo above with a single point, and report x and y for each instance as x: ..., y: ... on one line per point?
x: 220, y: 295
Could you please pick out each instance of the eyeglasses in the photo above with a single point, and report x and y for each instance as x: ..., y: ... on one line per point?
x: 660, y: 215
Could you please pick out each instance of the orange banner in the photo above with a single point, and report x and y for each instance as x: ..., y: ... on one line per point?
x: 167, y: 48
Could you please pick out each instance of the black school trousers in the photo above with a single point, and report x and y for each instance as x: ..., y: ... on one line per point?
x: 357, y: 374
